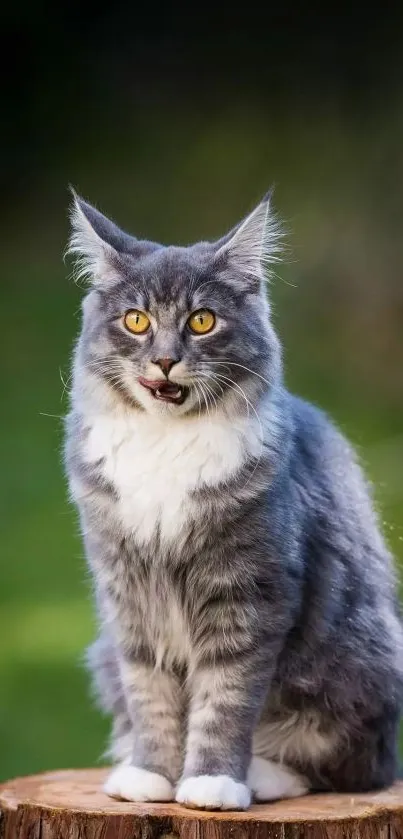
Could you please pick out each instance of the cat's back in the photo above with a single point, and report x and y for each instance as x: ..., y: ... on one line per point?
x: 333, y: 491
x: 321, y: 452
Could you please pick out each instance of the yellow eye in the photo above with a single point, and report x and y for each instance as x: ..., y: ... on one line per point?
x: 136, y: 321
x: 202, y: 321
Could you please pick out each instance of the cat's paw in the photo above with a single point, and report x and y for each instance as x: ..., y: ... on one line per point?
x: 270, y: 781
x: 213, y: 792
x: 134, y: 784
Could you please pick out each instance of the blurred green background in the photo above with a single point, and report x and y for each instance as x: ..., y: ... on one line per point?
x: 175, y: 127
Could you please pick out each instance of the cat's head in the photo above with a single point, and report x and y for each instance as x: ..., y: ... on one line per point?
x: 178, y: 330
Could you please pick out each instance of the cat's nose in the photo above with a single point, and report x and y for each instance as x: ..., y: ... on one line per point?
x: 166, y: 364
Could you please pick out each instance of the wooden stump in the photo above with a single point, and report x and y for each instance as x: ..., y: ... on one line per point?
x: 71, y: 805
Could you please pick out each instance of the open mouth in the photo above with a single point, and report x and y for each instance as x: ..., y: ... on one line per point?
x: 165, y: 391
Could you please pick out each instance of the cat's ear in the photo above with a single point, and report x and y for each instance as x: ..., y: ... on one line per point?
x: 253, y: 245
x: 97, y: 244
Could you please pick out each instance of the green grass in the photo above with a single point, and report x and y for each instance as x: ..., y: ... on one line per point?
x: 46, y: 620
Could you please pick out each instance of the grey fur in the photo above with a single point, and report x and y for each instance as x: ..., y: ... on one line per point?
x: 280, y: 577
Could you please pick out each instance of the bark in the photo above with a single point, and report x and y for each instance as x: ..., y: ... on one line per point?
x: 71, y: 805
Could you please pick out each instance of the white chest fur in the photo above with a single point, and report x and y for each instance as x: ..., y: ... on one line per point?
x: 155, y: 465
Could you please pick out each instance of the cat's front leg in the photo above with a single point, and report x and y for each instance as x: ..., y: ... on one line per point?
x: 152, y: 696
x: 226, y: 699
x: 153, y: 699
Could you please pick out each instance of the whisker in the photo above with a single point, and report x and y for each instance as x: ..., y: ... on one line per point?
x: 212, y: 394
x: 259, y: 457
x: 203, y: 285
x: 52, y: 416
x: 205, y: 400
x: 233, y: 385
x: 236, y: 364
x: 198, y: 398
x: 249, y: 403
x: 65, y: 383
x: 211, y: 376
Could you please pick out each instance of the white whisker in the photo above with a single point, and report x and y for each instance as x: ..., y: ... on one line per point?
x: 230, y: 383
x: 236, y: 364
x: 212, y: 395
x: 205, y: 400
x: 52, y: 416
x: 64, y: 382
x: 198, y: 397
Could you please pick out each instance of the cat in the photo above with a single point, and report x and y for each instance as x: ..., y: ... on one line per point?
x: 250, y: 644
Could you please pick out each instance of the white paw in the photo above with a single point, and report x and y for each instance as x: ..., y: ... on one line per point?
x: 134, y: 784
x: 269, y: 781
x: 213, y: 792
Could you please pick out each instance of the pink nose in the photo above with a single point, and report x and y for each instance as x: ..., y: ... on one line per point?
x: 166, y: 364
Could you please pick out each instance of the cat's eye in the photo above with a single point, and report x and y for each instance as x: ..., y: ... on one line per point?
x: 136, y: 321
x: 202, y: 321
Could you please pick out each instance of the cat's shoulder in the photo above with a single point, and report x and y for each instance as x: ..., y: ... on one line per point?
x: 318, y: 441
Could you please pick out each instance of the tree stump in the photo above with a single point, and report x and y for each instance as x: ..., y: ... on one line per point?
x: 71, y: 805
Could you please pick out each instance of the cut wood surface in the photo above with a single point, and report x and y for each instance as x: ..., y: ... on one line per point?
x: 71, y: 805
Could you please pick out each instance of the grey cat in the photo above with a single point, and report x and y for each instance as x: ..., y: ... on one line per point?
x: 250, y: 643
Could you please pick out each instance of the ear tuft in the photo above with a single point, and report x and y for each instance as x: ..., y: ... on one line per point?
x: 255, y: 244
x: 94, y: 255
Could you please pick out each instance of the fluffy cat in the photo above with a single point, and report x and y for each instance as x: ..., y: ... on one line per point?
x: 250, y: 643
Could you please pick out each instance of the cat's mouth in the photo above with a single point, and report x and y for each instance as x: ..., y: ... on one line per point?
x: 165, y: 391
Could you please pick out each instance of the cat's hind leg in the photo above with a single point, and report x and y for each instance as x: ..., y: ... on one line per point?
x: 282, y: 743
x: 269, y: 781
